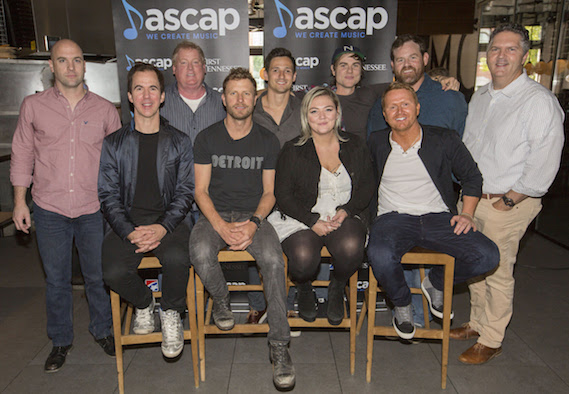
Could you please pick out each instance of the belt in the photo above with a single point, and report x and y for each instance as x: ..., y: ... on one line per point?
x: 489, y: 196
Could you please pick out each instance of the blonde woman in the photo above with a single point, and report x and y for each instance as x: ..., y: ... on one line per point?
x: 324, y: 183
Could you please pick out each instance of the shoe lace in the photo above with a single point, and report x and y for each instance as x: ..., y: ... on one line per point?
x: 170, y: 325
x: 404, y: 314
x: 279, y: 354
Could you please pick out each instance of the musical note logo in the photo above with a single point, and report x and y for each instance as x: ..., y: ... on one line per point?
x: 280, y: 31
x: 130, y: 62
x: 132, y: 32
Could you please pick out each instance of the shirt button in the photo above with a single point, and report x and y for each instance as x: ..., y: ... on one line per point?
x: 71, y: 191
x: 72, y: 122
x: 72, y: 140
x: 71, y: 174
x: 72, y: 157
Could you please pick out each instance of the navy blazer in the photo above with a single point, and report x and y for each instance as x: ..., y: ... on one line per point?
x: 443, y: 154
x: 118, y: 175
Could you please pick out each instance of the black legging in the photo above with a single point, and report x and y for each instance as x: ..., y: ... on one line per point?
x: 346, y: 246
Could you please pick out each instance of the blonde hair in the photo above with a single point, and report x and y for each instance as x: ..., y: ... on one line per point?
x: 305, y: 130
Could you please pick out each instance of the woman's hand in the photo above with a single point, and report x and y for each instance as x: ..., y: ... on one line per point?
x: 339, y: 217
x: 322, y: 227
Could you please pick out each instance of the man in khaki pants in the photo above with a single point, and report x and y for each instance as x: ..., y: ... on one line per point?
x: 514, y: 131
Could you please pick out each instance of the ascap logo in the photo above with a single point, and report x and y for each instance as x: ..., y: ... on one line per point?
x: 218, y: 22
x: 162, y: 64
x: 307, y: 62
x: 322, y: 18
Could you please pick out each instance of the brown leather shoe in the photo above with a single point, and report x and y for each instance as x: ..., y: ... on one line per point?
x: 463, y: 333
x: 479, y: 354
x: 254, y: 316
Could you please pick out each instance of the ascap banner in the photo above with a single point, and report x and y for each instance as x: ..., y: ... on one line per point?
x: 149, y: 30
x: 313, y: 30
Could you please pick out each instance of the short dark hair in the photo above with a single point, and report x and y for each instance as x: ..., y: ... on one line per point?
x: 187, y: 45
x: 142, y: 67
x: 239, y: 73
x: 405, y: 38
x: 398, y: 86
x: 514, y: 28
x: 279, y: 52
x: 438, y: 72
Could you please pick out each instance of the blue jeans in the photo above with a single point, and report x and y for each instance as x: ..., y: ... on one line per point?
x: 205, y: 243
x: 393, y: 234
x: 55, y: 234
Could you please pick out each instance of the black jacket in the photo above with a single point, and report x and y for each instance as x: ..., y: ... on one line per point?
x: 298, y: 175
x: 443, y: 154
x: 118, y: 174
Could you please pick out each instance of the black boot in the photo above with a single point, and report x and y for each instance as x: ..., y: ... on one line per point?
x: 335, y: 301
x: 306, y: 301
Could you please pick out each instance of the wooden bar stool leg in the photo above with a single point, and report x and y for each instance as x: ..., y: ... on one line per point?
x: 424, y: 299
x: 447, y: 308
x: 353, y: 298
x: 116, y: 312
x: 370, y: 322
x: 200, y: 301
x: 191, y: 300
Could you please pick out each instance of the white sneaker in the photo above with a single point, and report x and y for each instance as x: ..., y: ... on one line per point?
x: 144, y: 319
x: 172, y: 333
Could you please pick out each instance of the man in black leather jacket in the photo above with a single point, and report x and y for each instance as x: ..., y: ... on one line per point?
x: 146, y: 186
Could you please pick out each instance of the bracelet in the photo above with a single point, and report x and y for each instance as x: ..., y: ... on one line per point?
x: 467, y: 214
x: 256, y: 220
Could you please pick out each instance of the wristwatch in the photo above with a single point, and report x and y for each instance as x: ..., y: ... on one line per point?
x: 256, y: 220
x: 508, y: 201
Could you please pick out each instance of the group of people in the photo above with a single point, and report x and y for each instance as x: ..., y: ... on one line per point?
x: 196, y: 171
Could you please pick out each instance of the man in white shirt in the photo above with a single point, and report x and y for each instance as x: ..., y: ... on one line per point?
x: 416, y: 205
x: 514, y: 131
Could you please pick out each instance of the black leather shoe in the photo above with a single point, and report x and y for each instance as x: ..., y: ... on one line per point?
x: 108, y: 345
x: 56, y: 358
x: 335, y: 302
x: 307, y: 308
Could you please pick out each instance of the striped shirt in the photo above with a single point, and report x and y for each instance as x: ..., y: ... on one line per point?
x: 516, y: 136
x: 180, y: 116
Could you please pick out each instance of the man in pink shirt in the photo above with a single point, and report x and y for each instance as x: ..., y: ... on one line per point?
x: 57, y: 146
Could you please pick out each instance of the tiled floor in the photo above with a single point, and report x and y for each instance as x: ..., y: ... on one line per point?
x: 535, y: 358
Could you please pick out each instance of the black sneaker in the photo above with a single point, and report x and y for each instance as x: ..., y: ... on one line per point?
x: 56, y: 358
x: 108, y: 345
x: 403, y: 321
x: 284, y: 376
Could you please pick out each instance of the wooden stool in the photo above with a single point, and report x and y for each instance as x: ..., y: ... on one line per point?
x: 422, y: 257
x: 123, y: 337
x: 348, y: 321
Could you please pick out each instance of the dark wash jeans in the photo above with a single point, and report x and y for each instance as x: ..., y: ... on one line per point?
x: 394, y: 234
x: 55, y: 234
x: 205, y: 243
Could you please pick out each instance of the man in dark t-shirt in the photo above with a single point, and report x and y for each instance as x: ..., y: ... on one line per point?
x: 146, y: 189
x: 235, y: 175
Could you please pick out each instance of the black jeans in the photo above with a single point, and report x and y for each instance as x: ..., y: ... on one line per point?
x: 120, y: 269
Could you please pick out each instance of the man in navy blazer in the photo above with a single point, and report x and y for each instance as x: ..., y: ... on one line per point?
x: 414, y: 205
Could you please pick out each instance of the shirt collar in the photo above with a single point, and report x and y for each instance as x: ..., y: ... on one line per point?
x: 513, y: 87
x: 416, y: 145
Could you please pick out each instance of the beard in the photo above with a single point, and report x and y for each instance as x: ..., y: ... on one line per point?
x: 411, y: 78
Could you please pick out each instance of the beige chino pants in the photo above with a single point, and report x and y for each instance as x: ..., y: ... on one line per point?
x: 492, y: 298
